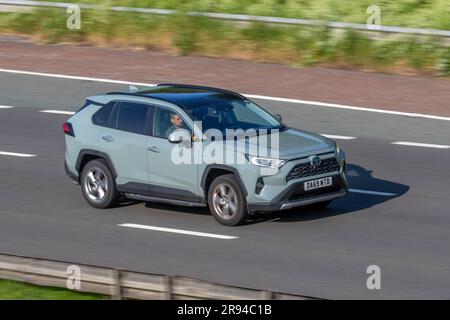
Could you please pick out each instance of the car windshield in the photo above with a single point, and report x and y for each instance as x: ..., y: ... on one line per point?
x: 233, y: 114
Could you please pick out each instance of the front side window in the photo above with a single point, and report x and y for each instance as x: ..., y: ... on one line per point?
x: 167, y: 121
x: 233, y: 114
x: 132, y: 117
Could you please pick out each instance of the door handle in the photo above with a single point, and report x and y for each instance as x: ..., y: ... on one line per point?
x: 108, y: 138
x: 153, y: 149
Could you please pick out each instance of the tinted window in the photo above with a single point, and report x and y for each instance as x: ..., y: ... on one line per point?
x: 248, y: 114
x: 101, y: 116
x: 132, y: 117
x: 112, y: 121
x: 233, y: 114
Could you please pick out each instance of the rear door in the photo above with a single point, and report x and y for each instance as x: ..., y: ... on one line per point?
x: 125, y: 141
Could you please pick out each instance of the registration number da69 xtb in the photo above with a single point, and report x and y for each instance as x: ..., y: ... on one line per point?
x: 318, y: 183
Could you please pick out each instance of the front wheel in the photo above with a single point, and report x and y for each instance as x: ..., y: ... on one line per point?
x: 98, y: 185
x: 226, y: 201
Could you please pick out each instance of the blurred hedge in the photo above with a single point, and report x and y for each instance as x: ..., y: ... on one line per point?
x: 187, y: 35
x: 434, y: 14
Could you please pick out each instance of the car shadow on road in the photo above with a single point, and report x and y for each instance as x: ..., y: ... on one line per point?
x: 182, y: 209
x: 358, y: 178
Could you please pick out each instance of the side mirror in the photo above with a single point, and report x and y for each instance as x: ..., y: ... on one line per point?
x: 278, y: 117
x: 180, y: 135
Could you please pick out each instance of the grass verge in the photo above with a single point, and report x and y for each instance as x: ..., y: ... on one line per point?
x: 187, y: 35
x: 13, y: 290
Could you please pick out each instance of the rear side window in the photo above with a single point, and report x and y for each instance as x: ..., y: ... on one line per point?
x: 132, y: 117
x: 100, y: 118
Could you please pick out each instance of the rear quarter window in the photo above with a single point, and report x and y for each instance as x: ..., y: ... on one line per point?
x: 100, y: 118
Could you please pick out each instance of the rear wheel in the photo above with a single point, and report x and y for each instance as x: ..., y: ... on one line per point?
x: 98, y: 185
x: 226, y: 201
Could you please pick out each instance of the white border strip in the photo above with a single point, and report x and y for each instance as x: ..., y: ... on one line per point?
x: 376, y: 193
x: 417, y: 144
x: 179, y: 231
x: 6, y: 107
x: 14, y: 154
x: 58, y: 112
x: 314, y: 103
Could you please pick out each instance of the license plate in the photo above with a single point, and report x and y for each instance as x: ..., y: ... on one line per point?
x: 319, y: 183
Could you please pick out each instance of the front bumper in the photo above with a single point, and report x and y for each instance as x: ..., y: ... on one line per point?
x: 296, y: 196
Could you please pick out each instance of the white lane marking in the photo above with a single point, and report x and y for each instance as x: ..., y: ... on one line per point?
x: 332, y: 136
x: 340, y: 106
x: 58, y: 112
x: 180, y: 231
x: 376, y: 193
x: 417, y: 144
x: 63, y: 76
x: 315, y: 103
x: 14, y: 154
x: 6, y: 107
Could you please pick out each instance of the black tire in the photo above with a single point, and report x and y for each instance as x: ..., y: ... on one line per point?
x: 111, y: 195
x: 236, y: 199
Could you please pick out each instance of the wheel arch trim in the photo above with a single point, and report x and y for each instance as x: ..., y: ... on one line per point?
x: 100, y: 154
x: 232, y: 170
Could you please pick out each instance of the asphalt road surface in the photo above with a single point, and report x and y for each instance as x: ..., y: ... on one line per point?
x: 321, y: 253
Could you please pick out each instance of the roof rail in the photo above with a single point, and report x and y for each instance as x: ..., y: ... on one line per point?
x: 192, y: 86
x: 145, y: 93
x: 126, y: 93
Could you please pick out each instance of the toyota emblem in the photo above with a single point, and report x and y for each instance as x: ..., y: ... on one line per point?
x: 315, y: 161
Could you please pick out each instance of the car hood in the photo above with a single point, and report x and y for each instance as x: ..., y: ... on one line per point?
x: 292, y: 143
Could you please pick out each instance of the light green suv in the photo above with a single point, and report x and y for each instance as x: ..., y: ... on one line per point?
x: 198, y: 146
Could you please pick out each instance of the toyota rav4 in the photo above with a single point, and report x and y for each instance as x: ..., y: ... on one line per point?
x: 198, y: 146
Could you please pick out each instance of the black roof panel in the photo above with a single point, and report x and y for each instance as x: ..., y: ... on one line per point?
x: 186, y: 96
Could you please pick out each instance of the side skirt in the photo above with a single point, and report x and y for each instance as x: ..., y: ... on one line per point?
x: 164, y: 200
x: 159, y: 192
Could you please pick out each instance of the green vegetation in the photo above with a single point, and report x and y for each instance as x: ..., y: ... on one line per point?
x: 287, y: 44
x: 12, y: 290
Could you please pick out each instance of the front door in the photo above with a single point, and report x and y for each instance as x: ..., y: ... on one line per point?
x: 168, y: 176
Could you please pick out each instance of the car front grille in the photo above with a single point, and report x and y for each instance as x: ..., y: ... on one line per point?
x: 300, y: 194
x: 304, y: 170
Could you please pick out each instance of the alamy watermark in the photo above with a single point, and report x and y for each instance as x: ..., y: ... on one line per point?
x: 234, y: 146
x: 73, y: 21
x: 374, y: 20
x: 73, y: 281
x: 374, y: 280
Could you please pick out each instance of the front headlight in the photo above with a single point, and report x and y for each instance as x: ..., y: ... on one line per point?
x: 340, y: 153
x: 266, y: 162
